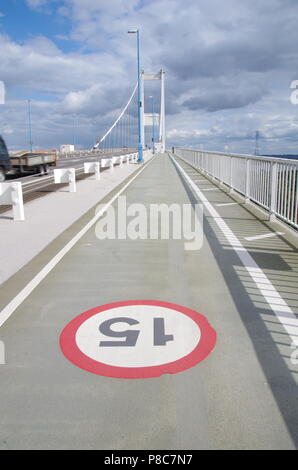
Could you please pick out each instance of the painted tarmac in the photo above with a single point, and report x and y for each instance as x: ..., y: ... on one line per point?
x: 242, y: 396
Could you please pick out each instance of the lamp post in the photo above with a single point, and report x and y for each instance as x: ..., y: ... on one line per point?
x: 140, y: 146
x: 153, y: 130
x: 74, y: 132
x: 29, y: 124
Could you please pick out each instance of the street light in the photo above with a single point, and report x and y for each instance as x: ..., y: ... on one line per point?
x: 30, y: 125
x: 153, y: 130
x: 140, y: 146
x: 74, y: 132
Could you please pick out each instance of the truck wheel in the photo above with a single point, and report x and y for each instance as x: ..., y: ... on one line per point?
x: 2, y: 175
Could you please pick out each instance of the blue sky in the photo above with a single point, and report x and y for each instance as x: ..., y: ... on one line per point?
x: 22, y: 23
x: 228, y: 71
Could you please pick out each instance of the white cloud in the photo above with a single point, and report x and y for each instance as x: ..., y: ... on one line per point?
x: 36, y: 3
x: 41, y: 66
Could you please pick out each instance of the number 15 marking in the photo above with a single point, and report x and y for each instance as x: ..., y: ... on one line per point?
x: 160, y: 338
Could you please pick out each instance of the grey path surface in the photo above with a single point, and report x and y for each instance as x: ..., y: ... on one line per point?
x: 243, y: 396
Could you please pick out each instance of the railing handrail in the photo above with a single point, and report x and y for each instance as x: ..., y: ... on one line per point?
x: 74, y: 153
x: 270, y: 182
x: 243, y: 155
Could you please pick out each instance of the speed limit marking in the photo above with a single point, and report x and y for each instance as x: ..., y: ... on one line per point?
x: 137, y: 339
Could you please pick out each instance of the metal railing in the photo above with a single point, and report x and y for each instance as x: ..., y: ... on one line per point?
x: 272, y: 183
x: 94, y: 152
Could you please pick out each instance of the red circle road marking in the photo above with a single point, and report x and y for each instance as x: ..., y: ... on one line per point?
x: 204, y: 347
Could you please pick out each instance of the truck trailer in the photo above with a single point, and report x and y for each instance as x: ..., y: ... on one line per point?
x: 25, y: 163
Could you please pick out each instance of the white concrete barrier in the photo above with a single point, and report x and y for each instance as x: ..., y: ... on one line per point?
x: 107, y: 163
x: 11, y: 194
x: 115, y: 160
x: 118, y: 160
x: 92, y: 167
x: 126, y: 159
x: 66, y: 175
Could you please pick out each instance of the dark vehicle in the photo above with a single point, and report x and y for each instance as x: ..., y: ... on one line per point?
x: 5, y: 164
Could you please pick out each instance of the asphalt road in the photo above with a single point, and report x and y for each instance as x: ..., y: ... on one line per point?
x: 242, y: 396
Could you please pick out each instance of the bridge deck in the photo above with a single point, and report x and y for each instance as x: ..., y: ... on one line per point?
x: 244, y: 395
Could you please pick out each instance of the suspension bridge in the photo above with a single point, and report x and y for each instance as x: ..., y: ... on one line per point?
x: 124, y: 131
x: 150, y: 306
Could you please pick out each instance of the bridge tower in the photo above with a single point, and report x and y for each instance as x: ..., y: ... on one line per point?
x: 147, y: 119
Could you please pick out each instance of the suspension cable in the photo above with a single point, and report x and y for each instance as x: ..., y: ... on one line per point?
x: 117, y: 120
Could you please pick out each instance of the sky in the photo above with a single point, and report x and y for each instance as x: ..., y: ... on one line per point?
x: 229, y: 66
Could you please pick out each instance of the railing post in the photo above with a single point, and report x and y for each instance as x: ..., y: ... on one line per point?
x: 92, y: 167
x: 231, y: 175
x: 213, y: 167
x: 247, y: 182
x: 66, y: 175
x: 17, y: 201
x: 220, y: 172
x: 273, y: 194
x: 12, y: 194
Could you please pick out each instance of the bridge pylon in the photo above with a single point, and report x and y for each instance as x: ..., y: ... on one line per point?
x: 148, y: 119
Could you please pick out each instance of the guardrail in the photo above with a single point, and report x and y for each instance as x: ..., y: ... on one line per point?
x: 272, y: 183
x: 11, y: 194
x: 93, y: 152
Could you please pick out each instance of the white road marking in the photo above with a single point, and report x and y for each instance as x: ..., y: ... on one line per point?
x: 37, y: 181
x: 210, y: 189
x: 143, y: 353
x: 227, y: 204
x: 265, y: 235
x: 29, y: 288
x: 277, y: 304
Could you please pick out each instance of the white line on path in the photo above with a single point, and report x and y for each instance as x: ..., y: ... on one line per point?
x: 277, y: 304
x: 227, y: 204
x: 29, y: 288
x: 211, y: 189
x: 45, y: 178
x: 265, y: 235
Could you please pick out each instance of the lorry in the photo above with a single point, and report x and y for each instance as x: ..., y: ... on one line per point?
x: 23, y: 163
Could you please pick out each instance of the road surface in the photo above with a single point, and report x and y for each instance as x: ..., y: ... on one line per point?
x: 242, y: 396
